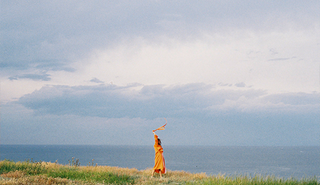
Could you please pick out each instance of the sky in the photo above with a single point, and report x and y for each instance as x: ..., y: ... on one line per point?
x: 223, y: 73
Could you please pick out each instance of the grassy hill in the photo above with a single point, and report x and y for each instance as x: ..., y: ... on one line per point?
x: 53, y: 173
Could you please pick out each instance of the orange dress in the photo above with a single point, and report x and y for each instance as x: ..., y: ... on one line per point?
x: 159, y: 163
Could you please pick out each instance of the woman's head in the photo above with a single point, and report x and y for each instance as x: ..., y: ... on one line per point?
x: 159, y: 141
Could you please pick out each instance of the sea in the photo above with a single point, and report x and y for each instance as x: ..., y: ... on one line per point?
x: 282, y: 162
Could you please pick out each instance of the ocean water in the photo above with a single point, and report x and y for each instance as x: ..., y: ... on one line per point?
x: 283, y: 162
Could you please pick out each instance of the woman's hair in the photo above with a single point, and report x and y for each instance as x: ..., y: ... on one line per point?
x: 159, y: 141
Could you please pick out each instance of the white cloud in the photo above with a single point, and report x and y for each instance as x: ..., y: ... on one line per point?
x: 250, y: 58
x: 100, y: 61
x: 276, y: 103
x: 151, y: 102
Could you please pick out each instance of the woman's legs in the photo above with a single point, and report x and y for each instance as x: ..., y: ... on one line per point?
x: 159, y: 173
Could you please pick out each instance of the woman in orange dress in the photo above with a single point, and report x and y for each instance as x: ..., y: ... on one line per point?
x: 159, y: 163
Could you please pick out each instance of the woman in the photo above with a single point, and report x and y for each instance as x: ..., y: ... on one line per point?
x: 159, y: 163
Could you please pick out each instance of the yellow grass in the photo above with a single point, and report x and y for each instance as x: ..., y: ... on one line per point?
x: 173, y: 175
x: 17, y: 178
x: 140, y: 177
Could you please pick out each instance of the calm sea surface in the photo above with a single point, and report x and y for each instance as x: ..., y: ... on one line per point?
x: 297, y: 162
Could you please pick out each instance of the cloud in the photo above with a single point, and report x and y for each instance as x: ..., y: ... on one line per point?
x: 294, y: 98
x: 37, y: 33
x: 243, y: 70
x: 154, y: 101
x: 241, y: 84
x: 278, y: 59
x: 96, y: 80
x: 43, y: 77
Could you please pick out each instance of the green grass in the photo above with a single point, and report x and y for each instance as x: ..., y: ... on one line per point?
x: 78, y: 174
x: 30, y: 168
x: 67, y: 172
x: 259, y: 180
x: 52, y: 173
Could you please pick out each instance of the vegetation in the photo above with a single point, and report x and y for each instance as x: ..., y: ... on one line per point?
x: 53, y: 173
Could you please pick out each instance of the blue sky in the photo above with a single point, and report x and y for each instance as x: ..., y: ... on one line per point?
x: 223, y: 73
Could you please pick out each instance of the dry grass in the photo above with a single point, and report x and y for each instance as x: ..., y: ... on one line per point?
x: 140, y: 177
x: 19, y: 178
x: 114, y: 170
x: 144, y: 176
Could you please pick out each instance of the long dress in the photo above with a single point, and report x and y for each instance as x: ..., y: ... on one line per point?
x: 159, y: 162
